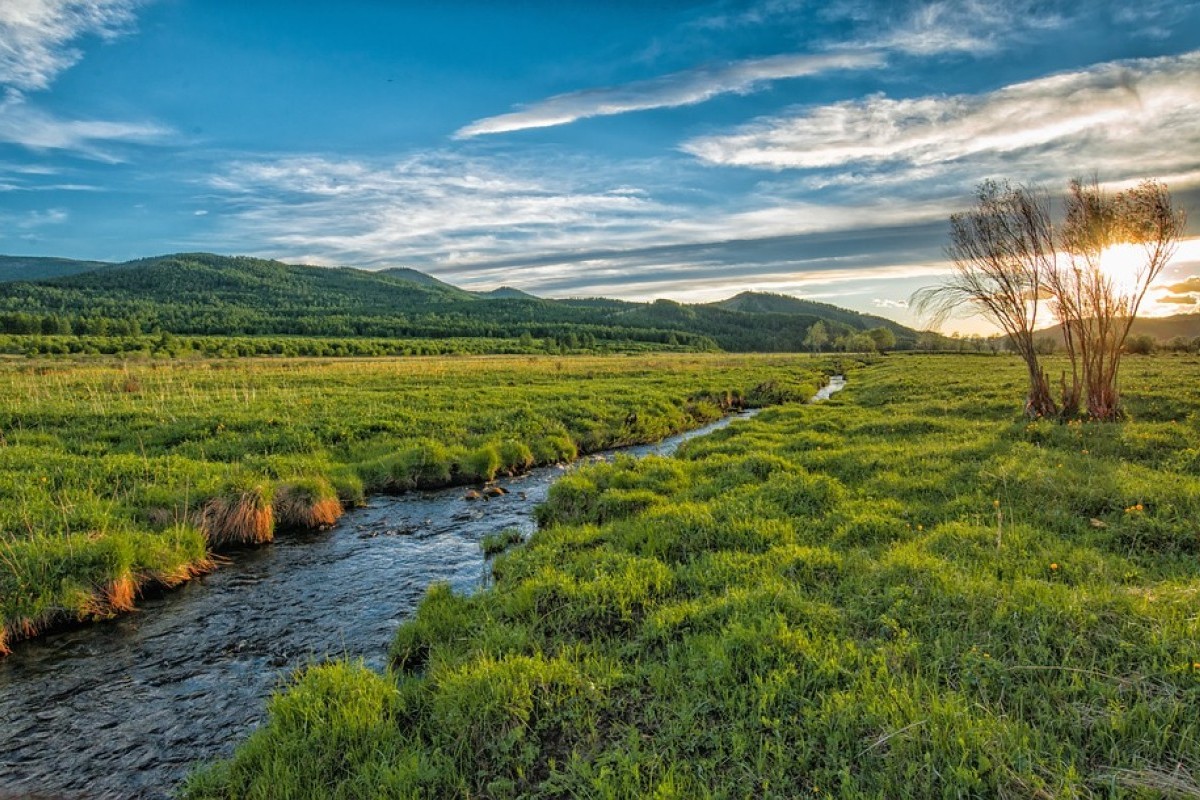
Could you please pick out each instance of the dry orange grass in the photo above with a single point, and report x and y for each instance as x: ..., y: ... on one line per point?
x: 183, y: 573
x: 308, y: 506
x: 115, y: 598
x: 243, y: 518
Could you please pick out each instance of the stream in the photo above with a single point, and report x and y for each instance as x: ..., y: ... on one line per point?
x: 124, y: 709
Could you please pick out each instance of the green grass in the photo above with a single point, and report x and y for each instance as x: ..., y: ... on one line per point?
x: 116, y: 474
x: 907, y: 592
x: 496, y: 543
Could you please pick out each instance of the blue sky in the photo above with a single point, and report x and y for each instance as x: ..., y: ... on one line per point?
x: 628, y: 149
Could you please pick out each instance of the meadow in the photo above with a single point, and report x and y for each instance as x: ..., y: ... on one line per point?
x: 910, y: 591
x: 119, y: 476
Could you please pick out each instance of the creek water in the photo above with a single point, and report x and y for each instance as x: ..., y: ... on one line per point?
x: 836, y: 384
x: 123, y: 709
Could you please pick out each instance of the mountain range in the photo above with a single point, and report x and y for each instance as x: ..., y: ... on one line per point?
x: 203, y: 293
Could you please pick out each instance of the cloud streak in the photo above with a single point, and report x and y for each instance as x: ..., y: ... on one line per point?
x: 36, y: 36
x: 449, y: 211
x: 428, y: 209
x: 1135, y: 113
x: 25, y: 125
x: 685, y: 88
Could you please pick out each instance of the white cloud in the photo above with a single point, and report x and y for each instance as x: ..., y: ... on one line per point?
x: 668, y: 91
x: 1139, y: 116
x: 967, y: 26
x: 36, y: 35
x: 25, y: 125
x: 31, y: 220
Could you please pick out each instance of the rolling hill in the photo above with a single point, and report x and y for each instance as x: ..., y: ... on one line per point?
x: 202, y: 293
x: 1162, y: 329
x: 32, y: 268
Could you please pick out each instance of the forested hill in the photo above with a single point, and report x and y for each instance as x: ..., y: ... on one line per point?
x: 763, y: 303
x: 201, y: 293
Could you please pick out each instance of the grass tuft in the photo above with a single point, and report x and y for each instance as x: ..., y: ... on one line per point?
x: 243, y: 516
x: 306, y: 504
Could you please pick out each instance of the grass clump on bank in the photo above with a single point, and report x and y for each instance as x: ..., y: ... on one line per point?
x: 908, y: 592
x: 496, y: 543
x: 115, y: 475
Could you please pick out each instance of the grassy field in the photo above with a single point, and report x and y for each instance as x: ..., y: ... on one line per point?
x: 115, y: 476
x: 908, y: 592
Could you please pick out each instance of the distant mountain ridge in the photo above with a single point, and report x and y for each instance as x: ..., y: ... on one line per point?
x: 1163, y: 329
x: 36, y: 268
x: 203, y: 293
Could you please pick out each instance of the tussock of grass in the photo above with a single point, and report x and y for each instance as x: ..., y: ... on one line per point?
x: 306, y: 504
x: 495, y: 543
x: 244, y: 516
x: 820, y: 602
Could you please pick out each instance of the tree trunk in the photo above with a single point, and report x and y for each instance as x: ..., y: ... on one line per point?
x: 1039, y: 402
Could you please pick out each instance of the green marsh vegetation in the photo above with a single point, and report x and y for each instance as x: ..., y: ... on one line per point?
x: 115, y: 476
x: 910, y: 591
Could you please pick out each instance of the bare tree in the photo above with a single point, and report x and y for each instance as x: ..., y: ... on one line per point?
x: 1002, y: 251
x: 1096, y: 302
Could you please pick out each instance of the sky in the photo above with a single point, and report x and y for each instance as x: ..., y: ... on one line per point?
x: 625, y: 149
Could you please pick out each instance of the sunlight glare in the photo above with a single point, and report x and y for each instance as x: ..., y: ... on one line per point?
x: 1124, y: 264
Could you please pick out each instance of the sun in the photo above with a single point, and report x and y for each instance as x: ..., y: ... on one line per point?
x: 1125, y: 265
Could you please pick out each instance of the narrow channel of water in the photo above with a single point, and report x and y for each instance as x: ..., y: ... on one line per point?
x: 123, y: 709
x: 836, y: 384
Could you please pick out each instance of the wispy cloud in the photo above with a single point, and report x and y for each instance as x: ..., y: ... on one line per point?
x: 668, y: 91
x: 36, y: 36
x: 32, y: 220
x: 36, y: 44
x: 1136, y: 115
x: 430, y: 208
x: 448, y: 210
x: 957, y: 26
x: 871, y: 33
x: 23, y: 124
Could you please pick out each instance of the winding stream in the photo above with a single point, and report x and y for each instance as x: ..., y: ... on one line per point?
x: 124, y: 709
